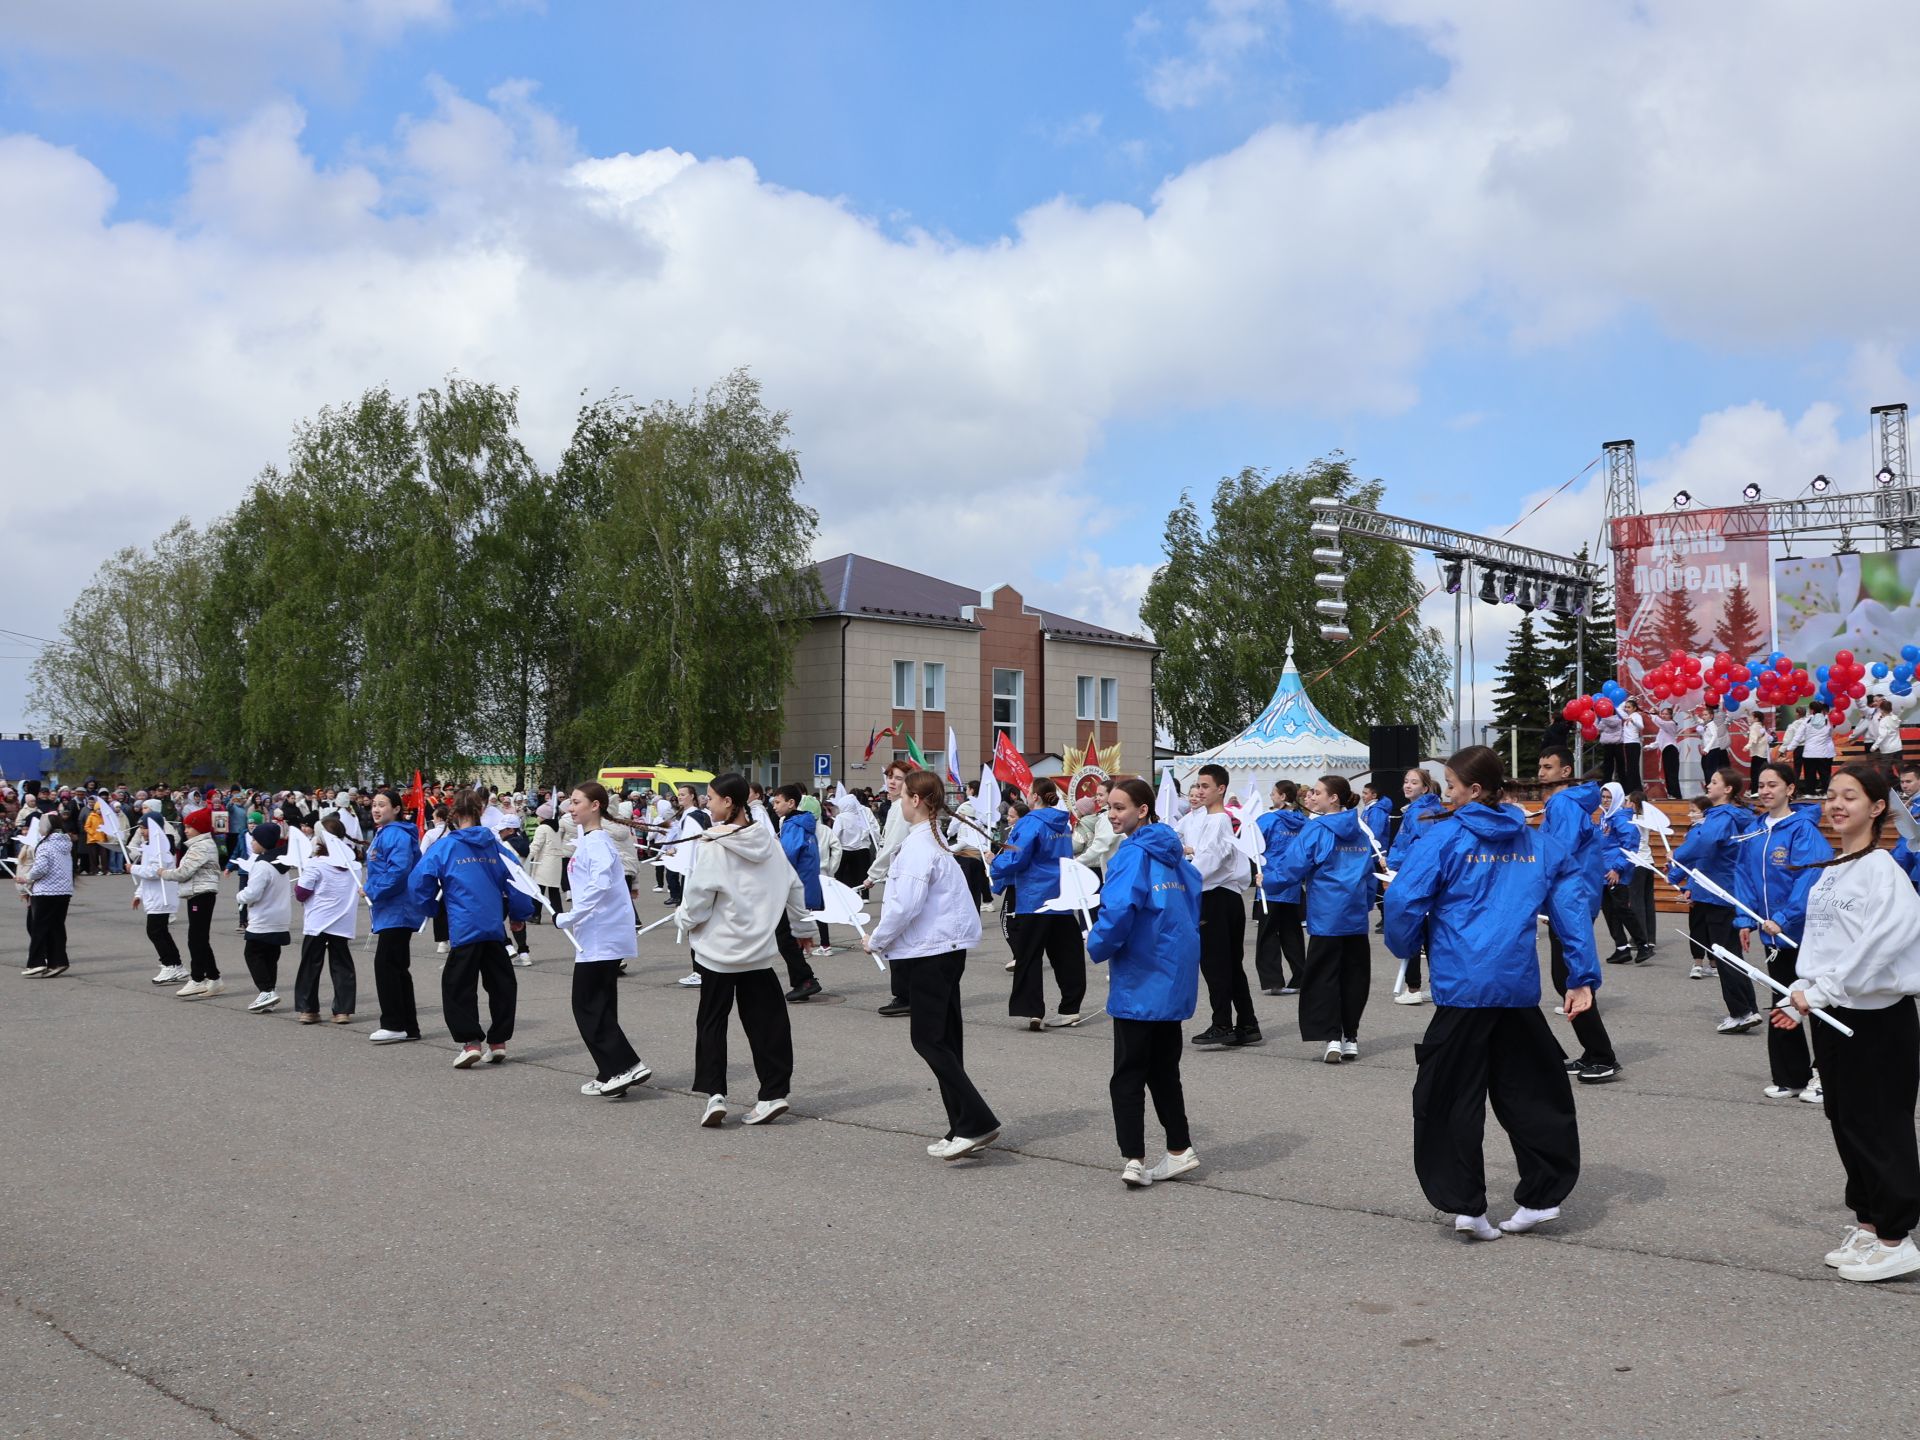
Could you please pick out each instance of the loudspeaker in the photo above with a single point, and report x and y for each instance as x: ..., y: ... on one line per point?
x: 1392, y: 750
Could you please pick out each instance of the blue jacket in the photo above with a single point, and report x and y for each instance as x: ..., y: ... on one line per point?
x: 1761, y: 877
x: 1149, y: 926
x: 799, y: 837
x: 1569, y: 838
x: 1470, y: 893
x: 1030, y: 861
x: 1413, y: 824
x: 1333, y: 860
x: 1279, y: 827
x: 1617, y: 833
x: 1711, y: 848
x: 390, y: 861
x: 466, y: 870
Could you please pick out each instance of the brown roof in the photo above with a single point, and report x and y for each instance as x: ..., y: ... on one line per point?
x: 858, y: 585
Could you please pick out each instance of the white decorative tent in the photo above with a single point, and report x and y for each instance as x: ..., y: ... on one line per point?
x: 1289, y: 740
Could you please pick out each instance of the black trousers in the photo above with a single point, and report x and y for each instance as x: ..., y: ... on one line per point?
x: 1508, y: 1057
x: 1279, y: 947
x: 933, y: 989
x: 853, y: 866
x: 199, y: 936
x: 160, y: 936
x: 1623, y: 921
x: 440, y: 925
x: 798, y: 970
x: 1632, y: 768
x: 1589, y: 1029
x: 393, y: 980
x: 1710, y: 761
x: 676, y: 882
x: 763, y: 1016
x: 596, y: 1010
x: 1058, y: 938
x: 1333, y: 989
x: 47, y: 930
x: 1146, y: 1059
x: 332, y: 949
x: 1872, y: 1083
x: 262, y: 954
x: 1613, y: 764
x: 1710, y: 924
x: 1814, y: 778
x: 468, y: 967
x: 1788, y: 1060
x: 1640, y: 887
x: 1223, y: 945
x: 975, y: 869
x: 1670, y: 770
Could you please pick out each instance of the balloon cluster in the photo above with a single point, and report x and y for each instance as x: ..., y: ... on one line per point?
x: 1783, y: 683
x: 1720, y: 679
x: 1587, y: 710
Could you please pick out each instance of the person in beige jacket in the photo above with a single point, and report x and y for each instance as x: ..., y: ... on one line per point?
x: 198, y: 876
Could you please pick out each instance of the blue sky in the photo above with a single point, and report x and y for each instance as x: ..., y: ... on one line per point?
x: 1041, y: 265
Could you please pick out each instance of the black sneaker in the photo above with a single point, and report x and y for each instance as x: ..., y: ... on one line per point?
x: 1643, y: 954
x: 1596, y: 1072
x: 1573, y: 1066
x: 806, y: 990
x: 1246, y: 1035
x: 1620, y: 956
x: 1213, y: 1037
x: 896, y: 1007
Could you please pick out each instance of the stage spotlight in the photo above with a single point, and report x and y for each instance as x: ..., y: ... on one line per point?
x: 1508, y: 588
x: 1580, y: 599
x: 1451, y: 573
x: 1885, y: 477
x: 1682, y: 500
x: 1488, y: 593
x: 1820, y: 484
x: 1750, y: 490
x: 1559, y: 599
x: 1525, y: 598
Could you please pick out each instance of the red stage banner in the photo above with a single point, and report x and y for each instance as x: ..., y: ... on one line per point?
x: 1696, y: 581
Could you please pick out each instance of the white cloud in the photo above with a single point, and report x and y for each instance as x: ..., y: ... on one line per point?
x: 1219, y: 42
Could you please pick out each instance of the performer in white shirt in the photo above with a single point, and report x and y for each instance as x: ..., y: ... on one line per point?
x: 1206, y: 835
x: 601, y: 922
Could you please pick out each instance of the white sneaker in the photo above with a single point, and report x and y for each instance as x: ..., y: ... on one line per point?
x: 626, y: 1080
x: 1136, y: 1175
x: 1698, y: 972
x: 192, y: 990
x: 169, y: 974
x: 763, y: 1112
x: 1008, y: 967
x: 1883, y: 1261
x: 263, y: 1002
x: 1349, y: 1049
x: 592, y: 1087
x: 523, y: 961
x: 961, y: 1146
x: 1738, y: 1024
x: 1814, y: 1094
x: 468, y: 1057
x: 1064, y: 1017
x: 693, y: 979
x: 389, y: 1037
x: 715, y: 1115
x: 1781, y: 1092
x: 1171, y: 1164
x: 1474, y: 1227
x: 216, y: 986
x: 440, y: 948
x: 1857, y: 1242
x: 1411, y: 997
x: 1332, y: 1057
x: 34, y: 972
x: 821, y: 952
x: 659, y: 889
x: 1524, y: 1219
x: 1560, y: 1009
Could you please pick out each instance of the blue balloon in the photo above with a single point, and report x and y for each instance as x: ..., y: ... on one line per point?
x: 1903, y: 671
x: 1822, y: 696
x: 1910, y: 654
x: 1821, y: 673
x: 1776, y: 657
x: 1903, y: 687
x: 1879, y: 668
x: 1729, y: 702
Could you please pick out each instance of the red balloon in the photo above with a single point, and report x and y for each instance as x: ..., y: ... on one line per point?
x: 1692, y: 665
x: 1739, y: 693
x: 1659, y: 692
x: 1783, y: 666
x: 1678, y: 657
x: 1857, y: 691
x: 1589, y: 733
x: 1800, y: 679
x: 1603, y: 707
x: 1742, y: 674
x: 1845, y: 657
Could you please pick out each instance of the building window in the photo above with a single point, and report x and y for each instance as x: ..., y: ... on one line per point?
x: 934, y: 677
x: 1109, y: 698
x: 1083, y: 697
x: 1010, y: 706
x: 903, y: 684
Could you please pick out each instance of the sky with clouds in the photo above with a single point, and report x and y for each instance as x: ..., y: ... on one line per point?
x: 1032, y: 269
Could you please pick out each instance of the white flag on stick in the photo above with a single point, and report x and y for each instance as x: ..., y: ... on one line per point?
x: 1079, y: 891
x: 840, y: 904
x: 518, y: 878
x: 1169, y: 804
x: 299, y: 850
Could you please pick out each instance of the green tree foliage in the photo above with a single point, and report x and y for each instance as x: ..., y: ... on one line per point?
x: 1522, y: 699
x: 410, y: 589
x: 1234, y: 589
x: 1559, y: 640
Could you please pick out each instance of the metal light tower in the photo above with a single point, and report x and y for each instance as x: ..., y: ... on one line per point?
x: 1893, y: 477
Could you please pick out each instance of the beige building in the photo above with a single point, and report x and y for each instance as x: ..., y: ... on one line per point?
x: 897, y: 648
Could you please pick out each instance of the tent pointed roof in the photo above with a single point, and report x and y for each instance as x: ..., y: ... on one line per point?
x: 1290, y: 736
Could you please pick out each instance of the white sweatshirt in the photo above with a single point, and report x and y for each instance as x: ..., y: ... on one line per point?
x: 1210, y: 837
x: 334, y: 906
x: 156, y: 896
x: 1816, y: 739
x: 740, y: 886
x: 602, y: 915
x: 1887, y: 739
x: 929, y: 910
x: 1861, y: 946
x: 268, y: 896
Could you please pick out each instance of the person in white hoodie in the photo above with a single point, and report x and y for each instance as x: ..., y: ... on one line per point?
x: 927, y: 924
x: 730, y: 908
x: 266, y: 899
x: 1859, y: 959
x: 601, y: 923
x: 151, y: 850
x: 329, y: 920
x: 891, y: 835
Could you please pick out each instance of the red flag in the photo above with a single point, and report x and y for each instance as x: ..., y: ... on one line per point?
x: 1009, y: 766
x: 874, y: 737
x: 417, y: 798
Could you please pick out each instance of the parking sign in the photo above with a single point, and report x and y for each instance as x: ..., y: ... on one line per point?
x: 822, y: 765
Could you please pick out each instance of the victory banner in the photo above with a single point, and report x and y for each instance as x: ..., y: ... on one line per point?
x: 1695, y: 581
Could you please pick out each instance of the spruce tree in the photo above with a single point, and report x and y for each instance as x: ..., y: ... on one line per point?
x: 1740, y: 632
x: 1560, y: 637
x: 1521, y: 699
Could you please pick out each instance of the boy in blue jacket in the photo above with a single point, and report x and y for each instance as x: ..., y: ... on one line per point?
x: 1471, y: 892
x: 1279, y: 947
x: 1423, y: 806
x: 466, y: 872
x: 1149, y: 927
x: 800, y: 839
x: 390, y: 860
x: 1571, y: 849
x: 1030, y: 864
x: 1712, y: 847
